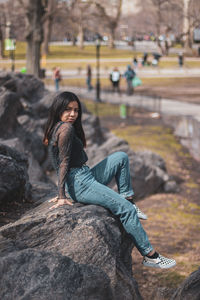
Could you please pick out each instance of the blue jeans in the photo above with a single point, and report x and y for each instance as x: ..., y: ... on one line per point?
x: 56, y: 84
x: 88, y: 186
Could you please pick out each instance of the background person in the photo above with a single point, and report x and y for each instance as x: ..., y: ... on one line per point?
x: 66, y: 139
x: 56, y: 77
x: 180, y: 59
x: 89, y: 77
x: 115, y: 79
x: 129, y: 75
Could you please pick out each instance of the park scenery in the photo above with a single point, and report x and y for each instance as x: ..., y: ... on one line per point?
x: 135, y: 66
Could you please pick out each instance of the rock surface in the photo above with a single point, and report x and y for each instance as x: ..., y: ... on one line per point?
x: 87, y: 234
x: 14, y: 181
x: 189, y: 289
x: 43, y: 275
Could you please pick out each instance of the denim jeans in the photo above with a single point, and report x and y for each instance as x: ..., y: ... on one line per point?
x: 88, y: 186
x: 56, y: 84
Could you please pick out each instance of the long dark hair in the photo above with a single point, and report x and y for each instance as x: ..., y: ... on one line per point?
x: 58, y: 106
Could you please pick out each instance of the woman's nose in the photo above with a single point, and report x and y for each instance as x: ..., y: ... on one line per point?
x: 72, y: 112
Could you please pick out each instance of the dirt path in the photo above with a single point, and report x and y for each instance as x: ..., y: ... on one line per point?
x: 173, y: 222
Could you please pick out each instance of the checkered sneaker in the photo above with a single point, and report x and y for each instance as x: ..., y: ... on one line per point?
x: 160, y: 262
x: 140, y: 214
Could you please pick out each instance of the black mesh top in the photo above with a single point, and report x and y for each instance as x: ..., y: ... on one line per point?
x: 66, y: 151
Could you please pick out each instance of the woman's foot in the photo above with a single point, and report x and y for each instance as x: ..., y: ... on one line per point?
x: 140, y: 214
x: 158, y: 261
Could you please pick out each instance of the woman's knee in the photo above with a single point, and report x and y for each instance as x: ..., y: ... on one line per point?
x: 122, y: 156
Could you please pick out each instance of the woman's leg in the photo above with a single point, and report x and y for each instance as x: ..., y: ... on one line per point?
x: 85, y: 189
x: 115, y: 166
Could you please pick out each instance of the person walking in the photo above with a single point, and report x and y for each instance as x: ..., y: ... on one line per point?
x: 129, y: 75
x: 65, y: 137
x: 89, y: 77
x: 56, y: 77
x: 180, y: 59
x: 115, y: 79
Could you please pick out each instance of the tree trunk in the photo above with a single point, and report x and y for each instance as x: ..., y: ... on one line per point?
x: 34, y: 35
x: 1, y: 38
x: 48, y: 27
x: 33, y: 57
x: 81, y: 37
x: 186, y: 25
x: 47, y: 36
x: 1, y: 43
x: 112, y: 39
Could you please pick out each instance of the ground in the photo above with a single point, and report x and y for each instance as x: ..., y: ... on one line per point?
x: 182, y: 89
x: 173, y: 223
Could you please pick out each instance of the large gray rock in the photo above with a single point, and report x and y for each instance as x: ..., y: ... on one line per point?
x: 43, y: 275
x: 14, y: 180
x: 9, y: 108
x: 24, y: 85
x: 87, y: 234
x: 92, y: 129
x: 189, y: 289
x: 148, y: 170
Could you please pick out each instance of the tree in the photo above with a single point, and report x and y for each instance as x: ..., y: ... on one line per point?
x: 2, y: 24
x: 51, y: 8
x: 109, y: 15
x: 34, y: 12
x: 191, y: 12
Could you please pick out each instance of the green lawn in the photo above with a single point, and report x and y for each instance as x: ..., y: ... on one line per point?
x: 89, y: 52
x: 73, y: 52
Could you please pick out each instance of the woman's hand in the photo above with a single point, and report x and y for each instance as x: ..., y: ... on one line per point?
x: 55, y: 199
x: 60, y: 202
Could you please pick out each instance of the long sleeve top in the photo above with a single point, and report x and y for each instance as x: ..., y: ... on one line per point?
x: 66, y: 151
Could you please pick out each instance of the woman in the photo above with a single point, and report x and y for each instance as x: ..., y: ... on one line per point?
x: 66, y: 139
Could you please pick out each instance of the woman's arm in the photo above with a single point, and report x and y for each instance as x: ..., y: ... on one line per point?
x: 65, y: 136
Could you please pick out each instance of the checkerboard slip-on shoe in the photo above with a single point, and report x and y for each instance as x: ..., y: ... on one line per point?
x: 160, y: 262
x: 140, y: 214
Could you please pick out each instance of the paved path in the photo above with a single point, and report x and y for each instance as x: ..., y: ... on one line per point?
x: 90, y: 60
x: 143, y: 72
x: 161, y: 105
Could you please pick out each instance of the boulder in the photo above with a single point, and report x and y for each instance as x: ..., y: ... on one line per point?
x: 43, y: 275
x: 10, y: 106
x: 87, y: 234
x: 25, y: 85
x: 148, y: 170
x: 14, y: 180
x: 42, y: 106
x: 189, y: 289
x: 92, y: 129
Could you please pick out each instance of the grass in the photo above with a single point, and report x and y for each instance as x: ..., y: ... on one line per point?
x: 104, y: 109
x: 89, y: 52
x: 154, y: 138
x: 74, y: 52
x: 171, y: 279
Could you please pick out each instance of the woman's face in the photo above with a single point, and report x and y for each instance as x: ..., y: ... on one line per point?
x: 71, y: 113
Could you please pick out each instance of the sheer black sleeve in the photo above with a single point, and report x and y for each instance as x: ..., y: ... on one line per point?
x: 64, y: 137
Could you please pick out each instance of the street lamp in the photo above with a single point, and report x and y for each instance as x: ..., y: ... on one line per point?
x: 10, y: 44
x: 98, y: 86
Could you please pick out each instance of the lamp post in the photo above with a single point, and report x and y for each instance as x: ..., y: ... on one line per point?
x: 10, y: 44
x: 98, y: 86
